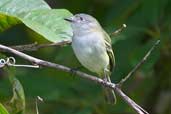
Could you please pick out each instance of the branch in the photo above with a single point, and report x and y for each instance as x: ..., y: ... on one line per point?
x: 118, y: 30
x: 92, y: 78
x: 35, y: 46
x: 139, y: 64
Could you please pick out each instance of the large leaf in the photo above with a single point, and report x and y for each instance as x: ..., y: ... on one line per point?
x: 49, y: 23
x: 36, y: 15
x: 3, y: 109
x: 15, y: 7
x: 11, y: 8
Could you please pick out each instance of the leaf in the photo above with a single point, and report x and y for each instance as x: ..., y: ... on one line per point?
x: 9, y: 10
x: 38, y: 16
x: 7, y: 22
x: 15, y: 7
x: 50, y: 24
x: 17, y: 102
x: 18, y: 99
x: 3, y: 109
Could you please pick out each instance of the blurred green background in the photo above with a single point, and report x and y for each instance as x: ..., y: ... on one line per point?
x: 63, y: 93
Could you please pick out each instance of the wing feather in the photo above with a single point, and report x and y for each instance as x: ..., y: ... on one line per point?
x: 109, y: 51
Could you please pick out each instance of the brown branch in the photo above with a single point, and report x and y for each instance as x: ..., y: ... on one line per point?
x: 131, y: 103
x: 139, y: 64
x: 113, y: 86
x: 35, y: 46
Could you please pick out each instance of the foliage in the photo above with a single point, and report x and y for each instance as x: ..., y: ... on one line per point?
x: 38, y: 16
x: 27, y: 21
x: 18, y: 100
x: 3, y: 110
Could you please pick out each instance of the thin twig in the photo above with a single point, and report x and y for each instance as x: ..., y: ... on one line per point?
x: 118, y: 30
x: 113, y: 86
x: 36, y: 103
x: 128, y: 100
x: 10, y: 61
x: 139, y: 64
x: 35, y: 46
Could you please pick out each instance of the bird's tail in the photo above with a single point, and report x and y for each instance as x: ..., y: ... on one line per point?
x: 109, y: 93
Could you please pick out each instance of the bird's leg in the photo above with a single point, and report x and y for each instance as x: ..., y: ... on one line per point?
x: 106, y: 72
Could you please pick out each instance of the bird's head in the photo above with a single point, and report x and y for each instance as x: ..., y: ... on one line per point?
x: 83, y: 22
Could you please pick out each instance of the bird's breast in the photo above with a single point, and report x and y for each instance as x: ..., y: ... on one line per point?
x: 90, y: 51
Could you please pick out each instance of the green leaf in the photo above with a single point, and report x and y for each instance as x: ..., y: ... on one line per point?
x: 38, y: 16
x: 17, y: 102
x: 7, y: 22
x: 50, y: 24
x: 16, y: 7
x: 10, y: 9
x: 18, y: 99
x: 3, y: 109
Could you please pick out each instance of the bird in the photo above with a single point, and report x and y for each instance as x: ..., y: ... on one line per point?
x: 93, y: 48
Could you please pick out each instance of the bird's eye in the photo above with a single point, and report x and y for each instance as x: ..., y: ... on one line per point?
x: 81, y: 19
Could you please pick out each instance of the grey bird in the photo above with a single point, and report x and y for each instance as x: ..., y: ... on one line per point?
x: 92, y: 47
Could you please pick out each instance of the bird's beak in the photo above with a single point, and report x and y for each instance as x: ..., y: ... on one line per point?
x: 70, y: 19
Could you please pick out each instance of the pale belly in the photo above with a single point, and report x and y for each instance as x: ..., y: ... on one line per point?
x: 91, y: 53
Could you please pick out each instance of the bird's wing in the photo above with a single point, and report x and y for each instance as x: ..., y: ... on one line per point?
x: 109, y: 50
x: 110, y: 95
